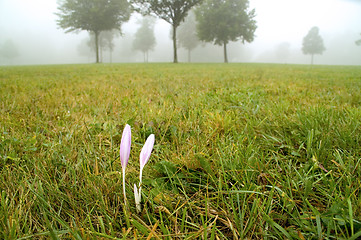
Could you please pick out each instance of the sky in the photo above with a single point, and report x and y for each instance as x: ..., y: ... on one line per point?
x: 282, y: 24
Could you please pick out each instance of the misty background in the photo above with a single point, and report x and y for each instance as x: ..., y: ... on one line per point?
x: 29, y: 27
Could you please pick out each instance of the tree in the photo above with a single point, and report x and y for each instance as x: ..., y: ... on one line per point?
x: 187, y: 36
x: 171, y: 11
x: 92, y: 45
x: 84, y: 50
x: 358, y: 42
x: 105, y: 41
x: 222, y: 21
x: 144, y: 37
x: 94, y: 16
x: 283, y: 51
x: 108, y: 37
x: 313, y: 43
x: 9, y: 50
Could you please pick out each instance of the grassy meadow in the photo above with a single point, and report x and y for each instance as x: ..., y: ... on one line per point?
x: 242, y: 151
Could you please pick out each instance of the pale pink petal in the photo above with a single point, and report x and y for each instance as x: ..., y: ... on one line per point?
x: 125, y: 146
x: 146, y: 150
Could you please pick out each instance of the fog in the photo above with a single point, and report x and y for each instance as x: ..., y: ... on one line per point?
x: 30, y: 26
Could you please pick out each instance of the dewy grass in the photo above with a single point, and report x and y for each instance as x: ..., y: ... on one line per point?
x: 243, y: 151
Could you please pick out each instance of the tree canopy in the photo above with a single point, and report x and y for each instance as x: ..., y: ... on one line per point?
x: 93, y: 16
x: 144, y: 37
x: 9, y: 51
x: 313, y: 43
x: 171, y: 11
x: 223, y: 21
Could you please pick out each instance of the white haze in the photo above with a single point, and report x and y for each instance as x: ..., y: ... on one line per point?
x: 282, y: 24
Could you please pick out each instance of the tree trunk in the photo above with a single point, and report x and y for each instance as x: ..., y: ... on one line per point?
x: 96, y: 34
x: 311, y: 59
x: 100, y: 53
x: 225, y: 52
x: 189, y: 55
x: 175, y: 59
x: 110, y: 55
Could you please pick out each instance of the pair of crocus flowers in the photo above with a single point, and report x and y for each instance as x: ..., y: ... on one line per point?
x: 143, y: 159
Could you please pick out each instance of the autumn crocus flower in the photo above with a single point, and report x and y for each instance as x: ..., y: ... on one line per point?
x: 143, y: 159
x: 125, y: 152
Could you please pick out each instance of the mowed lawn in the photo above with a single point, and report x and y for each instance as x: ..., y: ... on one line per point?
x: 242, y: 151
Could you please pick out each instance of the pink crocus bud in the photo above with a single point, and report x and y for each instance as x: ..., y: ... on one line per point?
x: 146, y: 151
x: 125, y: 146
x: 143, y: 159
x: 124, y: 153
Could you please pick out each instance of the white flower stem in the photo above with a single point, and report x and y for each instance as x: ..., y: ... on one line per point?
x: 125, y: 197
x: 140, y: 184
x: 138, y: 193
x: 138, y: 206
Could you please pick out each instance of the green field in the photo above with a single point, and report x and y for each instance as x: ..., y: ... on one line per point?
x: 242, y: 151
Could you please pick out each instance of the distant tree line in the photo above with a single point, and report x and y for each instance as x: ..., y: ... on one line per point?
x: 218, y: 21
